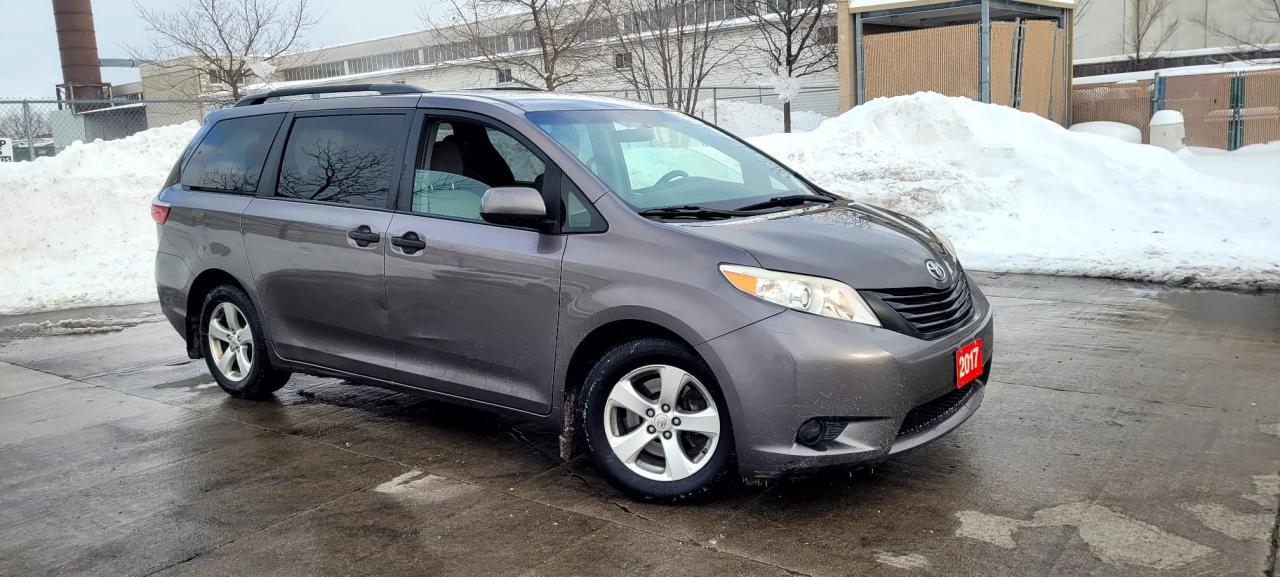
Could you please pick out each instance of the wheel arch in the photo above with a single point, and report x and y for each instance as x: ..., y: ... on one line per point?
x: 204, y: 282
x: 589, y: 350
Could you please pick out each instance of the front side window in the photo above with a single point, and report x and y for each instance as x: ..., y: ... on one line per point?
x: 654, y: 158
x: 231, y: 155
x: 341, y: 159
x: 463, y: 160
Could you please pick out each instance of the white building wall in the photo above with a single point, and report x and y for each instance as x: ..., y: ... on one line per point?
x: 1106, y: 28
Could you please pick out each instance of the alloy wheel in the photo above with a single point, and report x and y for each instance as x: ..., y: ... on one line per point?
x: 230, y: 341
x: 661, y: 422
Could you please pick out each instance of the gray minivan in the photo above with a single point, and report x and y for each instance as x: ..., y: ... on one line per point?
x: 676, y: 302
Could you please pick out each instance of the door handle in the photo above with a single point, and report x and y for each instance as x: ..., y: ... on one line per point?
x: 363, y: 236
x: 409, y: 243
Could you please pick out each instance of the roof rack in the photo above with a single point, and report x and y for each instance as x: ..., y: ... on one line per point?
x: 260, y: 97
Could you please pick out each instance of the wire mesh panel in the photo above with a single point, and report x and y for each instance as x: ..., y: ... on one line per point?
x: 943, y: 60
x: 1260, y: 116
x: 1126, y: 102
x: 1003, y: 61
x: 36, y: 128
x: 1205, y: 103
x: 1040, y: 79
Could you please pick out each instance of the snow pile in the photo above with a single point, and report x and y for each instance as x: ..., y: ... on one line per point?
x: 1258, y: 164
x: 78, y: 225
x: 748, y: 119
x: 1018, y: 193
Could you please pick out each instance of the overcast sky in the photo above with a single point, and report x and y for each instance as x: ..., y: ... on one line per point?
x: 30, y: 67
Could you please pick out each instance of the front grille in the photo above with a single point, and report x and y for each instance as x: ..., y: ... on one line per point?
x: 928, y: 415
x: 928, y: 313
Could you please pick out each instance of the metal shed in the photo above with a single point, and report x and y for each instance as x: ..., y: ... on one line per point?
x: 1012, y: 52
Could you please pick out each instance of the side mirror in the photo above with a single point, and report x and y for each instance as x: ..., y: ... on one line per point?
x: 513, y: 206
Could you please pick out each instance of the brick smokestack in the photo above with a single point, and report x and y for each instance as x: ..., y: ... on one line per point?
x: 78, y: 48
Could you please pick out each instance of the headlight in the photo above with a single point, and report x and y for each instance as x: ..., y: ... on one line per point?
x: 946, y: 243
x: 819, y: 296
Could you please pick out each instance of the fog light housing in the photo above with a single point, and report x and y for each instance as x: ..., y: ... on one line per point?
x: 811, y: 433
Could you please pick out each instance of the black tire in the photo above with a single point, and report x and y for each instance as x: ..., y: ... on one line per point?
x: 261, y: 380
x: 616, y: 363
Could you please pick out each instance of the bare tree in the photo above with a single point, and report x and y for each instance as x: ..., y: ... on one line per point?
x: 1263, y: 25
x: 795, y: 39
x: 1149, y: 31
x: 669, y: 48
x: 219, y: 40
x: 1082, y: 9
x: 17, y: 125
x: 546, y: 40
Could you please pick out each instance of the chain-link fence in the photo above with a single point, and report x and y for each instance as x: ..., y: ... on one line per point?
x: 1223, y: 110
x: 35, y: 128
x: 714, y: 102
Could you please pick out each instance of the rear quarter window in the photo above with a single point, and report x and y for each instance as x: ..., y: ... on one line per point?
x: 231, y: 155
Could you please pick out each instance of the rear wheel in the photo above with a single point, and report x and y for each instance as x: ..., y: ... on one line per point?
x: 231, y: 339
x: 655, y: 422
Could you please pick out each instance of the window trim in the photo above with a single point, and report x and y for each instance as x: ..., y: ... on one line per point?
x: 552, y: 179
x: 275, y: 160
x: 190, y: 153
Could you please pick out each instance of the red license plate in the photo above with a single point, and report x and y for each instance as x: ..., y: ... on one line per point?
x: 968, y: 363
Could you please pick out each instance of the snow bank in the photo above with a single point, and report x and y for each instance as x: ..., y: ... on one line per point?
x: 1018, y: 193
x: 1258, y: 164
x: 748, y: 119
x: 78, y: 225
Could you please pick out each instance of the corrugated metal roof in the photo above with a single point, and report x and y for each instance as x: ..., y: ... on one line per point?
x: 872, y: 5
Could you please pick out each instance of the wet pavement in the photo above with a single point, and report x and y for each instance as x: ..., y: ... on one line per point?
x: 1129, y: 430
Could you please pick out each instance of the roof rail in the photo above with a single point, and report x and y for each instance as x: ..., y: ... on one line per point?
x: 260, y: 97
x: 510, y: 88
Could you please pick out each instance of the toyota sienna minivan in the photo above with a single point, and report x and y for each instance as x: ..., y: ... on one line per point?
x: 680, y: 305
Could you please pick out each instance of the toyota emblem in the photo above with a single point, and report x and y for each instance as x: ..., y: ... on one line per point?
x: 935, y: 270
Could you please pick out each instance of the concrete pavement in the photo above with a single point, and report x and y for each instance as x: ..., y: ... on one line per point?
x: 1129, y: 430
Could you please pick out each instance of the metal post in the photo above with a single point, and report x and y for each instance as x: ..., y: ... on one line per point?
x: 1053, y: 65
x: 1015, y: 66
x: 860, y: 58
x: 28, y: 122
x: 715, y: 106
x: 984, y: 53
x: 1235, y: 125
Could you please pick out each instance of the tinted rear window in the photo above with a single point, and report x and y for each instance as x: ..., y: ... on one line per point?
x: 342, y: 159
x: 231, y: 156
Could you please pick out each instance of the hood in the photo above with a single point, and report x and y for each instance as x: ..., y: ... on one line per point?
x: 863, y: 246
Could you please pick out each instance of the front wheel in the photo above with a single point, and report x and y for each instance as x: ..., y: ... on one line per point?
x: 231, y: 338
x: 655, y: 422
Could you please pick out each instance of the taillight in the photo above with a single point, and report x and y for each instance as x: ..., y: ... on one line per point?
x: 159, y: 212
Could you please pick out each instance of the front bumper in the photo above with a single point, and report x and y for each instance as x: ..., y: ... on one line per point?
x: 786, y: 369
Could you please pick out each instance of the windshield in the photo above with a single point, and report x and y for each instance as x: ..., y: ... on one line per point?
x: 654, y: 158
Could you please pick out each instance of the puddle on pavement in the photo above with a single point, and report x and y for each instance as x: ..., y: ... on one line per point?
x: 198, y: 383
x: 1258, y: 312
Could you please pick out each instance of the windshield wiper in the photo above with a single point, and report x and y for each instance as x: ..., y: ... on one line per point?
x: 692, y: 211
x: 790, y: 200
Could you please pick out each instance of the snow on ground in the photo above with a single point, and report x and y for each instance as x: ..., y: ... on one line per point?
x: 748, y: 119
x: 1258, y: 164
x: 1018, y: 193
x: 78, y: 225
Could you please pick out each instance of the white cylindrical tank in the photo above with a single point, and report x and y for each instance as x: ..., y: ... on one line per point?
x: 1116, y: 130
x: 1168, y: 130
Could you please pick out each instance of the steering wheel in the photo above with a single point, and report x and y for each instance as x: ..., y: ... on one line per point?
x: 670, y: 176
